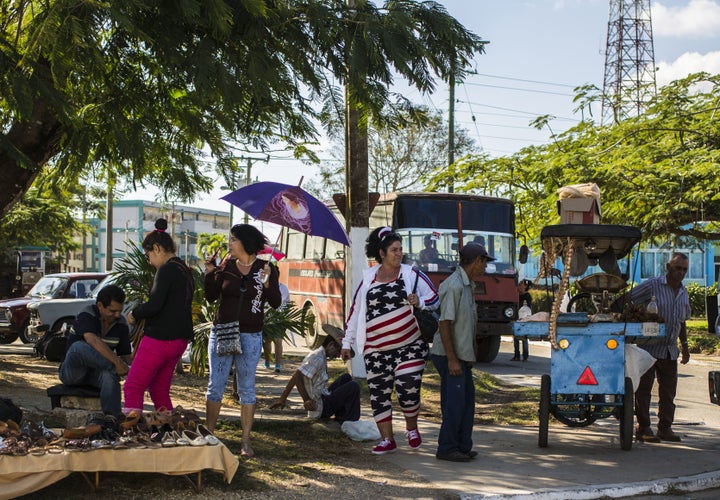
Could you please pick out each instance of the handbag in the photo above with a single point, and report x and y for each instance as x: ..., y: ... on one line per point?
x: 227, y: 339
x: 227, y: 336
x: 426, y: 319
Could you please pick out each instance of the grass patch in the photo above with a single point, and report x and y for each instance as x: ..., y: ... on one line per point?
x: 700, y: 341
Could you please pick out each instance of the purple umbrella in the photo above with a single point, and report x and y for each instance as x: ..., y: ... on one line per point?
x: 289, y: 206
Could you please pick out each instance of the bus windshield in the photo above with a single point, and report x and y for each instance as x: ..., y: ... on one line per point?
x: 431, y: 239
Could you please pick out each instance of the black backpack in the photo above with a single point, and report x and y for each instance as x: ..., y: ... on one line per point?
x: 52, y: 346
x: 9, y: 411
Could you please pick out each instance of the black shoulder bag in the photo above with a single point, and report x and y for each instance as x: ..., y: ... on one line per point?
x: 426, y: 319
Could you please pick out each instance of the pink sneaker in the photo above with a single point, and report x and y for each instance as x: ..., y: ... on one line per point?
x: 385, y: 446
x: 414, y: 439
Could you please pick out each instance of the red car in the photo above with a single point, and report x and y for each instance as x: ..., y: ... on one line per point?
x: 14, y: 314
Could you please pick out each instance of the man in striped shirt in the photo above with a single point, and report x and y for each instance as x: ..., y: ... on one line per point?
x: 674, y: 308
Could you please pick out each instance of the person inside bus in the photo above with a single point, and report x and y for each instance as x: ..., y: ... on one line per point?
x: 381, y: 327
x: 244, y: 284
x: 429, y: 254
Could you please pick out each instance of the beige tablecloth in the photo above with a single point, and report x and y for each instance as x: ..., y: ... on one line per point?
x: 23, y: 475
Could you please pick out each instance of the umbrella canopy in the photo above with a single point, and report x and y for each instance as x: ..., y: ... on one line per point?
x: 289, y: 206
x: 273, y: 254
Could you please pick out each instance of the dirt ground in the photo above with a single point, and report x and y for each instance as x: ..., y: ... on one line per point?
x: 297, y: 471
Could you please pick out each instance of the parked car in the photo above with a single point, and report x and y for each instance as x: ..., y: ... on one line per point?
x: 14, y: 314
x: 51, y: 315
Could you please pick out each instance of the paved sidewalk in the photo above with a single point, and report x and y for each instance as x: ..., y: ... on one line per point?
x: 579, y: 463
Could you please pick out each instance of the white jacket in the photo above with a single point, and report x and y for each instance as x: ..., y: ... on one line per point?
x: 355, y: 334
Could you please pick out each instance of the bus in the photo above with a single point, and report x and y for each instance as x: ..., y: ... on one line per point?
x: 314, y: 267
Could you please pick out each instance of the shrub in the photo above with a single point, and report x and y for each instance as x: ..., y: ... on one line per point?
x: 697, y: 294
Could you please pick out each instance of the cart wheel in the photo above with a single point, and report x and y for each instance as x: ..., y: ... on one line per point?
x: 544, y: 411
x: 582, y: 302
x: 626, y: 417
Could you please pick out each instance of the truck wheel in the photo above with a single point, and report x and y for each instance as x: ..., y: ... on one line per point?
x: 488, y: 348
x: 544, y: 411
x: 26, y: 336
x: 313, y: 338
x: 8, y: 337
x: 626, y: 417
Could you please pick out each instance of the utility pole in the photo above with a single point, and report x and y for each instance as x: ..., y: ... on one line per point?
x: 109, y: 224
x: 629, y: 61
x: 451, y: 128
x: 248, y: 180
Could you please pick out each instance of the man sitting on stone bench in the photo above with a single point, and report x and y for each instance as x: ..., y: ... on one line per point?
x: 99, y: 348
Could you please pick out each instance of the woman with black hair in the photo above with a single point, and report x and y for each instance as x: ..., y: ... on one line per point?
x: 168, y: 324
x: 244, y: 284
x: 381, y: 327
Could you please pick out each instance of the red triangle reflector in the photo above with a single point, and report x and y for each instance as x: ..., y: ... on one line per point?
x: 587, y: 377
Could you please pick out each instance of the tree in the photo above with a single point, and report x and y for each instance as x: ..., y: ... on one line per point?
x: 149, y: 89
x: 401, y: 157
x: 657, y: 171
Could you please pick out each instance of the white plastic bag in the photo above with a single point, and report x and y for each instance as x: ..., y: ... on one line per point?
x: 637, y: 362
x: 361, y: 430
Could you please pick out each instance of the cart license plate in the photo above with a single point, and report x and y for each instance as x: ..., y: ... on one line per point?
x: 650, y: 329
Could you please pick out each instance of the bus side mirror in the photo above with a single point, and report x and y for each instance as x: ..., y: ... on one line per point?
x: 524, y: 251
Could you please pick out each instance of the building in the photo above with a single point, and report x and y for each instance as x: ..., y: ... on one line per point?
x: 134, y: 219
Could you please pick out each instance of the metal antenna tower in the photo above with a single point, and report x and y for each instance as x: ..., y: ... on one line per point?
x: 629, y: 61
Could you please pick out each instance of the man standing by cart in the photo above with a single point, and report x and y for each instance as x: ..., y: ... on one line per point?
x: 674, y: 308
x: 453, y: 354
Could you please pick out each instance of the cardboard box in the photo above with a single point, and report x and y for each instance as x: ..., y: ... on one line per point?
x: 579, y: 211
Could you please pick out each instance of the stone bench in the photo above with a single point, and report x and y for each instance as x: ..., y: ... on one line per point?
x: 76, y: 397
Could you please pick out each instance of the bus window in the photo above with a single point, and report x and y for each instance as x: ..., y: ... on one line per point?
x: 295, y: 246
x: 315, y: 247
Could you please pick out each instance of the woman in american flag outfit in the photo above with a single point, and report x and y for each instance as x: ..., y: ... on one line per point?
x: 382, y: 328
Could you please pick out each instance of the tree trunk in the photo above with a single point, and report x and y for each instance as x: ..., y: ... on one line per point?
x: 37, y: 140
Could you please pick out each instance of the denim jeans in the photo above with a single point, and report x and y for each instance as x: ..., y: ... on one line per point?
x: 245, y: 366
x: 84, y: 365
x: 457, y: 402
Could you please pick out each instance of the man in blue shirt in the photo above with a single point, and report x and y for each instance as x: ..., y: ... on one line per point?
x: 99, y: 348
x: 674, y: 308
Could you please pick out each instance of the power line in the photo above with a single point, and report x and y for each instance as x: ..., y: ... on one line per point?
x: 518, y: 111
x: 523, y: 80
x: 521, y: 89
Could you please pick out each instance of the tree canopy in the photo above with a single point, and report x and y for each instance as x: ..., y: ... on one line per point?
x: 148, y: 91
x: 657, y: 171
x: 400, y: 156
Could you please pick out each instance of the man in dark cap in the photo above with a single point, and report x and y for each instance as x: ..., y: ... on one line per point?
x: 453, y: 354
x: 340, y: 399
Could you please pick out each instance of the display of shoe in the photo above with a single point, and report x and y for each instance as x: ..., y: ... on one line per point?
x: 180, y: 440
x: 669, y: 435
x: 81, y: 432
x: 207, y: 435
x: 387, y: 445
x: 646, y: 436
x: 194, y: 438
x: 167, y: 440
x: 413, y: 438
x: 453, y: 456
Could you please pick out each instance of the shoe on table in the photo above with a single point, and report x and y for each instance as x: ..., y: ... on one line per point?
x: 668, y: 435
x: 454, y: 456
x: 414, y: 439
x: 387, y: 445
x: 646, y: 436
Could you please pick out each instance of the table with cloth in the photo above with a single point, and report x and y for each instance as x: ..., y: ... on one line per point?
x: 25, y: 474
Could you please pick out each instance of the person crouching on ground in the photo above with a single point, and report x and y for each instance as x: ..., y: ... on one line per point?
x: 382, y: 328
x: 453, y: 354
x: 99, y: 348
x: 341, y: 399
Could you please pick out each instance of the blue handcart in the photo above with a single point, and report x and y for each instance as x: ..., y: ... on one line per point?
x: 588, y: 377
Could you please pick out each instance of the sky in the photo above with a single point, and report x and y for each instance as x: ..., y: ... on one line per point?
x: 539, y: 51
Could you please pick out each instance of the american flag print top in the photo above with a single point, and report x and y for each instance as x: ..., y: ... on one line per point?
x: 390, y: 321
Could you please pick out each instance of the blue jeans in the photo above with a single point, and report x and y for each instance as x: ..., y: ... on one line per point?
x: 83, y: 365
x: 245, y: 366
x: 457, y: 402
